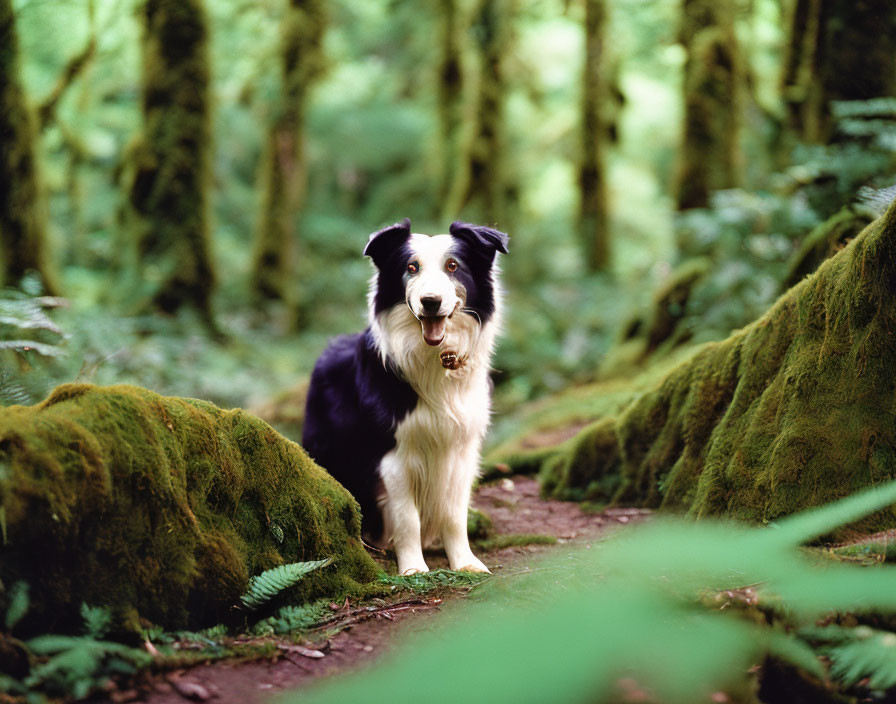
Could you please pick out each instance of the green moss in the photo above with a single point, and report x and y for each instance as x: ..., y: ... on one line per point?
x: 795, y: 410
x: 479, y: 525
x: 162, y: 508
x: 587, y: 469
x: 659, y: 331
x: 523, y: 438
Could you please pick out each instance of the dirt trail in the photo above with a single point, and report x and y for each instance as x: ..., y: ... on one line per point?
x: 514, y: 507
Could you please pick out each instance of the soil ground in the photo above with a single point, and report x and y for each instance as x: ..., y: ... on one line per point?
x: 514, y: 506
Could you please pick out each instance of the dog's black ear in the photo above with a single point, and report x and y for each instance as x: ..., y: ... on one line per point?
x: 481, y: 236
x: 384, y: 241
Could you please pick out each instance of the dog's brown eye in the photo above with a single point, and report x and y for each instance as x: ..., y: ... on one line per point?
x: 413, y: 268
x: 451, y: 266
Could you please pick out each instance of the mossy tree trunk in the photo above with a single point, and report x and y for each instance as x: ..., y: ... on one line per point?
x: 283, y: 171
x: 23, y: 221
x: 836, y: 50
x: 481, y: 181
x: 799, y: 66
x: 713, y: 77
x: 451, y: 92
x: 593, y: 225
x: 169, y: 163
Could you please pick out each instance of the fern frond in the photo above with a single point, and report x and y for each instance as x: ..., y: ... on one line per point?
x: 290, y: 619
x: 79, y: 665
x: 11, y: 392
x: 870, y: 653
x: 42, y: 348
x: 97, y: 620
x: 270, y: 583
x: 796, y: 530
x: 18, y: 604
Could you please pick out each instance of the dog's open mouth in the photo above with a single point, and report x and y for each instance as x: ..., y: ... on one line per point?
x: 434, y: 329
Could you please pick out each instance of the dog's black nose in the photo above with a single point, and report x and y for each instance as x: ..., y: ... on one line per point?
x: 431, y: 304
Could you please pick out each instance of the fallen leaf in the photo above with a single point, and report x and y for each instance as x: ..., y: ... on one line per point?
x: 190, y: 690
x: 300, y: 650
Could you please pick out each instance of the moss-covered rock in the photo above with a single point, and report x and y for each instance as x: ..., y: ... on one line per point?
x: 161, y: 509
x: 795, y: 410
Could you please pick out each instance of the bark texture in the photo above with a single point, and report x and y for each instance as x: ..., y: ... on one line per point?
x: 283, y: 171
x: 169, y: 163
x: 23, y: 219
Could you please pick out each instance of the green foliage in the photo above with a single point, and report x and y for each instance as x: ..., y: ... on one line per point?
x: 29, y: 338
x: 97, y: 621
x: 659, y: 605
x: 870, y: 549
x: 423, y: 582
x: 17, y: 604
x: 76, y: 666
x: 264, y: 587
x: 858, y: 653
x: 292, y: 619
x: 752, y: 236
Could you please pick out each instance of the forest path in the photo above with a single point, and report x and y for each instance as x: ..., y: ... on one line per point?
x: 515, y: 507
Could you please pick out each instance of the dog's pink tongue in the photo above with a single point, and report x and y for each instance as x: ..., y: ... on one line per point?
x: 433, y: 330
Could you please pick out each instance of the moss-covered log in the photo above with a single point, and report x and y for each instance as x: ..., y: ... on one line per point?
x: 283, y: 170
x: 713, y: 78
x: 23, y: 221
x: 169, y: 163
x: 793, y: 411
x: 161, y: 509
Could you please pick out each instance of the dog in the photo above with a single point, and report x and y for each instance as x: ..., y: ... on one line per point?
x: 398, y: 412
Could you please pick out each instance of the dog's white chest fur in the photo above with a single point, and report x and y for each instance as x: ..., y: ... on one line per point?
x: 437, y: 451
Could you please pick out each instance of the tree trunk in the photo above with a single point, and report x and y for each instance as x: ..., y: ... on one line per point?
x: 283, y: 171
x: 23, y: 220
x: 169, y: 165
x: 710, y: 152
x: 451, y: 94
x: 593, y: 226
x: 481, y: 179
x: 836, y: 50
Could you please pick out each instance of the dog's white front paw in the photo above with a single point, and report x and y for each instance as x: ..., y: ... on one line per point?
x: 476, y: 565
x: 412, y: 569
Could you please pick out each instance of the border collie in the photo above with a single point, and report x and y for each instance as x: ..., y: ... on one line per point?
x: 398, y: 412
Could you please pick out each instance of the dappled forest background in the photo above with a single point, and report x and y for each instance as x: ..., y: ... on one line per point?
x: 186, y: 186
